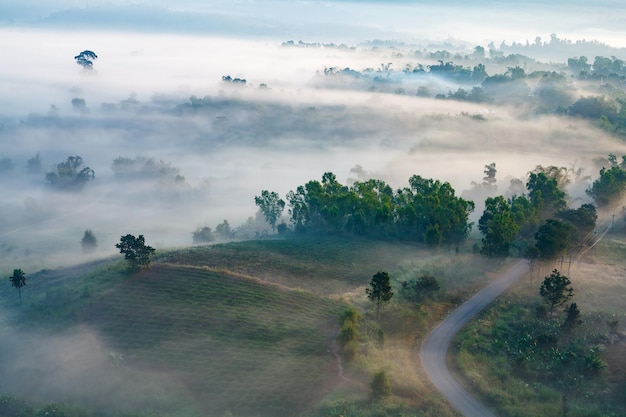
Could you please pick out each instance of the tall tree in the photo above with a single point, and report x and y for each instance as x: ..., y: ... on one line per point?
x: 271, y: 205
x: 553, y: 238
x: 556, y: 290
x: 498, y: 227
x: 18, y: 280
x: 545, y: 194
x: 135, y: 251
x: 379, y: 290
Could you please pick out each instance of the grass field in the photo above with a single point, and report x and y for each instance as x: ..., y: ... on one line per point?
x: 242, y: 329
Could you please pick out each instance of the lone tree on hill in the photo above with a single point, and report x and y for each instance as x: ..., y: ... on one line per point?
x: 18, y: 280
x: 135, y: 251
x: 556, y: 290
x: 379, y: 290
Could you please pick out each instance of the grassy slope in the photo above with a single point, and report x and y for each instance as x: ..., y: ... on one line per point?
x: 246, y: 327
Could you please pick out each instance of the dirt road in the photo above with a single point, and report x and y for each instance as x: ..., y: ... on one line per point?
x: 435, y: 347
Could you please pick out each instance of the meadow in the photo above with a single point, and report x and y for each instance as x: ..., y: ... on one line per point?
x: 242, y: 328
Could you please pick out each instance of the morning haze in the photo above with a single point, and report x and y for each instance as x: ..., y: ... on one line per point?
x: 210, y: 104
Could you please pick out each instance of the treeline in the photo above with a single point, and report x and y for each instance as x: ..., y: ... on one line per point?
x: 535, y: 223
x: 426, y: 211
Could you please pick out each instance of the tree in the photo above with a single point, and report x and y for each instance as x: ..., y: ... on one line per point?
x: 556, y: 290
x: 271, y: 205
x: 553, y: 238
x: 70, y: 175
x: 89, y: 241
x: 609, y: 188
x: 203, y: 235
x: 135, y: 251
x: 379, y: 290
x: 85, y: 59
x: 498, y: 226
x: 18, y: 280
x: 572, y: 316
x: 545, y: 194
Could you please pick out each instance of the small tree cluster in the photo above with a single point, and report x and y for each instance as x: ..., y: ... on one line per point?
x: 70, y: 175
x: 417, y: 290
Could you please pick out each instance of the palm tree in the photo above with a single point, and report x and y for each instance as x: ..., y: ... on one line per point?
x: 18, y: 280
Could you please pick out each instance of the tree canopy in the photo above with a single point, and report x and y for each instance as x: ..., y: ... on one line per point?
x: 18, y: 280
x: 70, y: 175
x: 379, y: 290
x: 556, y: 290
x: 135, y: 251
x: 271, y: 205
x: 85, y: 59
x: 426, y: 211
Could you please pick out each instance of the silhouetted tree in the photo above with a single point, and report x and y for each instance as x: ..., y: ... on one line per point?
x: 85, y: 59
x: 18, y: 280
x: 135, y: 251
x: 89, y: 241
x: 379, y: 290
x: 203, y: 235
x: 572, y: 316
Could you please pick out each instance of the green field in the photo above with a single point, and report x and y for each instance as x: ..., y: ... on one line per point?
x: 241, y: 329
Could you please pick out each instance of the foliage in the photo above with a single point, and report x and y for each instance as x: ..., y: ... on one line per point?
x: 135, y: 251
x: 271, y: 205
x: 417, y: 290
x: 223, y: 231
x: 203, y: 235
x: 85, y: 59
x: 380, y: 386
x: 89, y: 241
x: 142, y: 168
x: 70, y: 175
x: 427, y: 211
x: 545, y: 194
x: 611, y: 184
x: 18, y: 280
x: 572, y: 316
x: 349, y: 334
x: 498, y: 226
x: 556, y: 290
x: 380, y: 290
x: 553, y: 238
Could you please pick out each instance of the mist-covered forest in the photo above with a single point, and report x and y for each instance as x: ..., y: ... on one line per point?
x: 452, y: 129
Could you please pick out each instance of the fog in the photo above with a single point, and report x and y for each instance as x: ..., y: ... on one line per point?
x: 156, y: 93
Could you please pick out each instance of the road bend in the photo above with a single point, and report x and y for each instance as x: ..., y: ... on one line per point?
x: 434, y: 349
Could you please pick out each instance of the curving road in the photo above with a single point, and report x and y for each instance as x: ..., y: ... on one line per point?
x: 435, y: 347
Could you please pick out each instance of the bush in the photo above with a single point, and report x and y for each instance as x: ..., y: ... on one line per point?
x: 380, y: 385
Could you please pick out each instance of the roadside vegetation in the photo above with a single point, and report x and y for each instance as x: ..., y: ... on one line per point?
x: 524, y: 360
